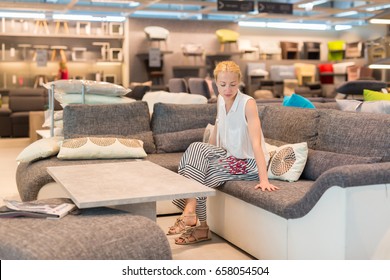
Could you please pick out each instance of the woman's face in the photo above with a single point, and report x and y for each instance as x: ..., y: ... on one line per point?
x: 227, y: 83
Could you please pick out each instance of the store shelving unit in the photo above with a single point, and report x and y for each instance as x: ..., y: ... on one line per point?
x: 19, y: 40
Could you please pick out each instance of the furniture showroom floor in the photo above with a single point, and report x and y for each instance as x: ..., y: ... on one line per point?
x: 216, y: 249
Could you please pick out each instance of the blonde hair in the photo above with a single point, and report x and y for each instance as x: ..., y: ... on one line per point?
x: 227, y: 66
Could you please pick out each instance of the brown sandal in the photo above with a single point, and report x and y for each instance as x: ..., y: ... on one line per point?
x: 180, y: 225
x: 185, y: 238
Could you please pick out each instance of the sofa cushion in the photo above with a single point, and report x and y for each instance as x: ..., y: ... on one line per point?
x: 170, y: 160
x: 111, y: 119
x: 320, y: 161
x: 179, y: 117
x: 293, y: 125
x: 91, y: 87
x: 176, y: 126
x: 177, y: 141
x: 101, y: 147
x: 361, y: 134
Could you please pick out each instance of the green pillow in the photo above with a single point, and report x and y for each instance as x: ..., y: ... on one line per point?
x: 371, y: 95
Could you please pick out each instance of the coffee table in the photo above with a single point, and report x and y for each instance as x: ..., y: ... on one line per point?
x: 133, y: 186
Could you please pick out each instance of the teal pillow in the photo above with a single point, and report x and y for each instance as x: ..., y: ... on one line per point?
x: 296, y: 100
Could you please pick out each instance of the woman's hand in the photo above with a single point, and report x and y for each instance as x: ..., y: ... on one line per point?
x: 266, y: 186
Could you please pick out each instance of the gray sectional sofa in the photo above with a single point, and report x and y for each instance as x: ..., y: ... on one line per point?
x: 338, y: 209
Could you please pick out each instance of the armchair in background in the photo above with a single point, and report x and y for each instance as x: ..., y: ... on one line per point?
x: 340, y: 72
x: 157, y: 34
x: 311, y: 50
x: 245, y: 47
x: 289, y: 50
x: 226, y: 37
x: 194, y: 50
x: 336, y: 50
x: 270, y: 50
x: 177, y: 85
x: 354, y: 50
x: 199, y: 86
x: 305, y: 72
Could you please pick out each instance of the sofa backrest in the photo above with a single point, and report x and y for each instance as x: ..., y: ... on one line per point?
x: 362, y: 134
x: 176, y: 126
x: 129, y: 119
x: 27, y: 99
x: 291, y: 125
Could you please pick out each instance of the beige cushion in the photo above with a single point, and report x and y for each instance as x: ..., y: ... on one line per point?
x: 40, y: 149
x: 101, y: 147
x: 287, y: 162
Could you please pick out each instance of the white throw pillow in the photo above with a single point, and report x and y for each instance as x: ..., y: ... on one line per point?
x: 91, y: 87
x: 101, y: 147
x: 380, y: 106
x: 65, y: 99
x: 287, y: 161
x: 207, y: 133
x: 153, y: 97
x: 40, y: 149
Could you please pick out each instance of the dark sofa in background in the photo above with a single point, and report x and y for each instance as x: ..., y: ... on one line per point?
x: 14, y: 119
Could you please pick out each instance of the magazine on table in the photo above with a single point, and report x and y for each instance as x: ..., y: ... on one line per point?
x: 51, y: 209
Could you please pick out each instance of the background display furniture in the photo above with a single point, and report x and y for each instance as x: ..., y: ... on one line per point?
x: 289, y: 50
x: 279, y: 73
x: 155, y: 73
x: 157, y: 34
x: 41, y: 25
x: 311, y: 50
x: 177, y: 85
x: 336, y: 50
x: 255, y: 71
x: 61, y: 53
x: 199, y: 86
x: 340, y: 72
x: 326, y: 73
x: 64, y: 25
x: 227, y: 37
x: 270, y: 50
x: 354, y: 50
x: 245, y: 47
x: 194, y: 50
x: 305, y: 72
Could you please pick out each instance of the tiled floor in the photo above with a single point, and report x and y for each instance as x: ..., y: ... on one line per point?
x: 216, y: 249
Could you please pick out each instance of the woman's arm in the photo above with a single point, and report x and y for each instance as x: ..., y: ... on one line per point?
x: 255, y: 132
x: 213, y: 135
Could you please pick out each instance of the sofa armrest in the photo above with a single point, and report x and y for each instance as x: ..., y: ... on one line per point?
x: 355, y: 175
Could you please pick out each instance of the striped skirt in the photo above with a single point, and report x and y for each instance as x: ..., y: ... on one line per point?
x: 211, y: 166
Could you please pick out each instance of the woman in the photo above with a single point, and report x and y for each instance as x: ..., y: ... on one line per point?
x: 236, y: 151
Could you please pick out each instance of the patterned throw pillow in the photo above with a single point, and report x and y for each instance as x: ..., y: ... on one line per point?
x: 287, y: 161
x: 101, y: 147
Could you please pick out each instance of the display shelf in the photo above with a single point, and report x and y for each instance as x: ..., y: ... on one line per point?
x: 62, y: 35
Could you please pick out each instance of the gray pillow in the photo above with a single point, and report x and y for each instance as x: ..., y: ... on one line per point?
x: 320, y: 161
x: 177, y: 141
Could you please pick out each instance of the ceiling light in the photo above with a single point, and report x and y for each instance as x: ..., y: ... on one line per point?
x: 291, y: 25
x: 130, y: 3
x: 377, y: 8
x: 251, y: 24
x: 22, y: 15
x: 379, y: 66
x: 379, y: 21
x: 339, y: 27
x: 346, y: 14
x: 311, y: 4
x: 88, y: 18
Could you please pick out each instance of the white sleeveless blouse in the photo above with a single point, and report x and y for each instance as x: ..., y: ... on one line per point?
x: 233, y: 134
